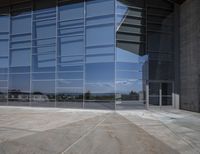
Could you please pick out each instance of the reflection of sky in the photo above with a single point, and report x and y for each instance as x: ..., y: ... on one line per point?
x: 126, y: 86
x: 127, y: 56
x: 99, y: 77
x: 100, y: 87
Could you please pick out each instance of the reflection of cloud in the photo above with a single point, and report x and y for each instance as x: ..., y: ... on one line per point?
x: 102, y: 84
x: 100, y: 87
x: 125, y: 86
x: 127, y: 82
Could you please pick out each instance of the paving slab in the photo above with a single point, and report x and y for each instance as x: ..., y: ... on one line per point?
x: 64, y: 131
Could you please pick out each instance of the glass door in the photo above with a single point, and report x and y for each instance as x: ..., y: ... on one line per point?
x: 160, y: 93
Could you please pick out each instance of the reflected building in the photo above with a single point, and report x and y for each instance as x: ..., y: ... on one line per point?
x: 99, y: 54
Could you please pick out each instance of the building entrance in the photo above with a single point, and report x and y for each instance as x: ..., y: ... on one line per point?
x: 160, y: 93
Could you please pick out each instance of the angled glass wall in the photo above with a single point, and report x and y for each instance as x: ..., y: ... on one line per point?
x: 131, y: 56
x: 84, y: 53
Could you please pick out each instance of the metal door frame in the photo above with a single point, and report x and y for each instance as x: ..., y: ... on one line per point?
x: 160, y: 94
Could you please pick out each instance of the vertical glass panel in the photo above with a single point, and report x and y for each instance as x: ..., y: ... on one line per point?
x: 71, y: 10
x: 21, y: 25
x: 19, y: 82
x: 71, y: 46
x: 43, y: 62
x: 99, y: 72
x: 16, y: 62
x: 4, y: 39
x: 19, y: 89
x: 99, y: 7
x: 43, y: 93
x: 69, y: 97
x: 99, y: 85
x: 3, y: 96
x: 45, y: 29
x: 4, y: 20
x: 131, y: 57
x: 130, y: 93
x: 100, y: 35
x: 3, y: 64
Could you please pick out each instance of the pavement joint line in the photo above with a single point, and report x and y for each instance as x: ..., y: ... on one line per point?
x: 82, y: 137
x: 20, y: 129
x: 115, y: 124
x: 179, y: 136
x: 162, y: 123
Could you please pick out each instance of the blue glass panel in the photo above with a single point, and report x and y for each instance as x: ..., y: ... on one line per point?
x: 25, y: 44
x: 4, y: 23
x: 45, y: 42
x: 70, y: 75
x: 72, y: 24
x: 128, y: 75
x: 99, y: 7
x: 72, y: 60
x: 71, y: 31
x: 101, y: 50
x: 100, y: 20
x: 19, y: 82
x: 99, y: 72
x: 45, y: 29
x: 21, y: 25
x: 46, y: 88
x: 127, y: 56
x: 100, y: 35
x: 65, y: 68
x: 70, y: 83
x: 71, y: 46
x: 3, y: 63
x: 100, y: 58
x: 4, y: 48
x: 129, y: 66
x: 100, y: 87
x: 43, y: 76
x: 18, y: 55
x: 44, y: 50
x: 3, y: 76
x: 3, y: 96
x: 3, y: 84
x: 71, y: 11
x: 70, y: 90
x: 127, y: 86
x: 20, y: 38
x: 43, y: 62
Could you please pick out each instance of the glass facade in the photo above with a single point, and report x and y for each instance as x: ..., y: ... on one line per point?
x: 97, y: 54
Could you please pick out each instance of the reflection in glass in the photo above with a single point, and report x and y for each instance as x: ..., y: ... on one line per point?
x: 43, y: 93
x: 131, y: 59
x: 19, y: 89
x: 91, y: 54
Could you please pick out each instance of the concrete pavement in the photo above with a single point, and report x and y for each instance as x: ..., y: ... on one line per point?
x: 65, y: 131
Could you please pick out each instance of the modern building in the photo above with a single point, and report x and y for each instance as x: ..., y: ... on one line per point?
x: 100, y: 54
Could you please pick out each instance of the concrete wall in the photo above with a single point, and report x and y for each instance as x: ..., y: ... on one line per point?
x: 190, y: 55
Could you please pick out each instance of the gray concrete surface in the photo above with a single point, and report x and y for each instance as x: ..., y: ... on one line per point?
x: 190, y: 55
x: 64, y: 131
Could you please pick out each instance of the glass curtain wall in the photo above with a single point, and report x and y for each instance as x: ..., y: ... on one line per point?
x: 20, y: 54
x: 131, y: 56
x: 83, y: 53
x: 4, y: 53
x: 160, y: 47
